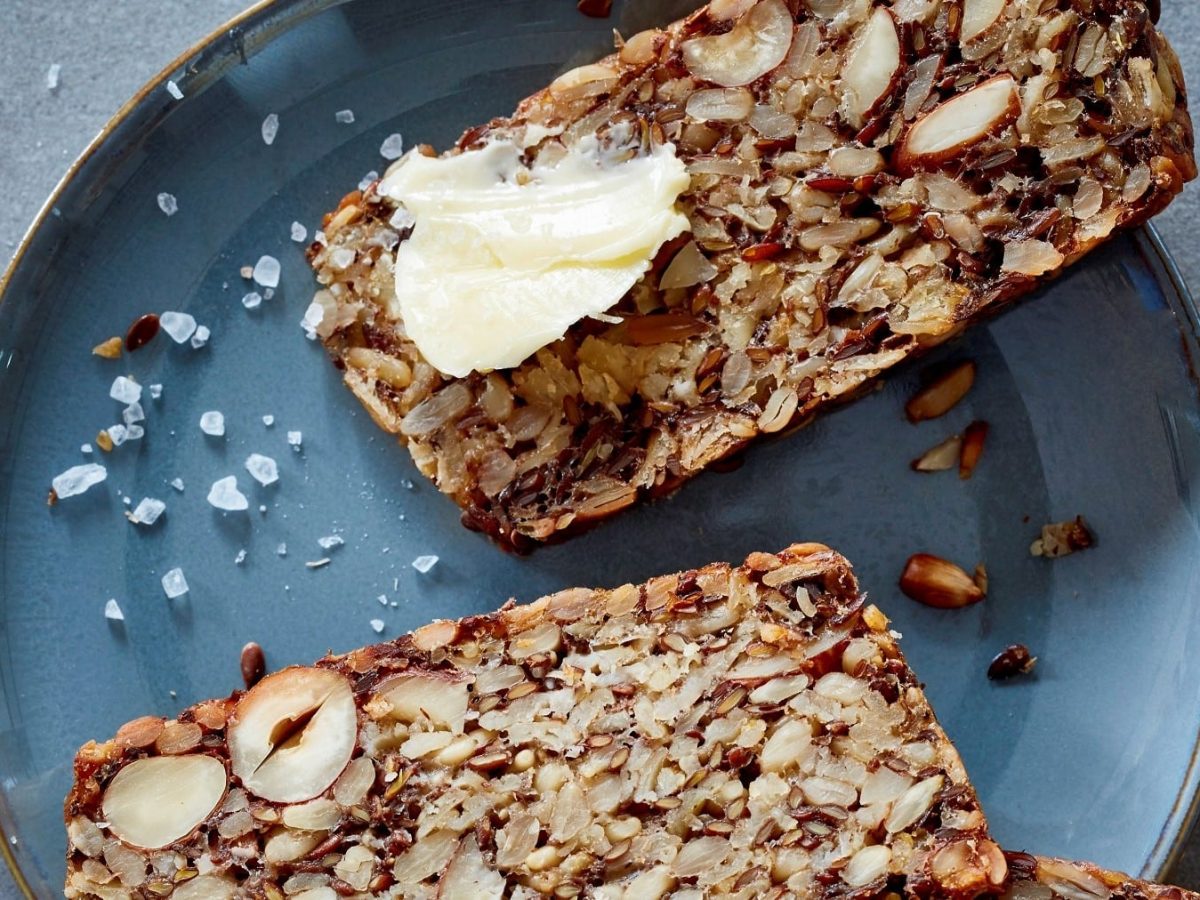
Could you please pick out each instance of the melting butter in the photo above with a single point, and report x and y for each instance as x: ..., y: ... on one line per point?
x: 503, y: 259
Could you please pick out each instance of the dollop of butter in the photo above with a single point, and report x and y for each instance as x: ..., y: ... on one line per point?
x: 503, y: 259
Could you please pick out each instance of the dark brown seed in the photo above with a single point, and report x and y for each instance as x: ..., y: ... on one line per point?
x: 596, y: 9
x: 254, y: 664
x: 141, y: 332
x: 1013, y: 660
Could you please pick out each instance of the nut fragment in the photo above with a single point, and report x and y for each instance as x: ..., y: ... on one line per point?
x: 942, y: 394
x: 109, y: 349
x: 972, y: 448
x: 756, y: 44
x: 969, y: 867
x: 426, y: 698
x: 157, y: 800
x: 872, y: 68
x: 940, y: 458
x: 978, y: 16
x: 1063, y: 539
x: 1013, y: 660
x: 966, y: 119
x: 938, y: 583
x: 292, y: 734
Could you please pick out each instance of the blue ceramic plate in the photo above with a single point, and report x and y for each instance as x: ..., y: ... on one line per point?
x: 1088, y: 390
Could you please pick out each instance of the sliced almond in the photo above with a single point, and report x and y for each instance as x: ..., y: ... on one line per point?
x: 753, y: 47
x: 293, y: 733
x: 942, y: 394
x: 949, y: 129
x: 978, y: 16
x: 938, y: 583
x: 940, y: 458
x: 972, y: 448
x: 426, y: 698
x: 872, y: 67
x: 157, y: 800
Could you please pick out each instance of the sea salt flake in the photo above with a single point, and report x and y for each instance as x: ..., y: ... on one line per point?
x: 52, y: 77
x: 299, y: 233
x: 125, y: 390
x: 377, y: 624
x: 180, y: 326
x: 177, y: 483
x: 383, y: 600
x: 424, y: 563
x: 320, y: 238
x: 85, y: 448
x: 213, y: 422
x: 330, y: 541
x: 266, y: 271
x: 268, y: 293
x: 240, y: 558
x: 341, y: 258
x: 270, y: 128
x: 252, y: 300
x: 344, y: 116
x: 268, y: 420
x: 312, y: 318
x: 174, y: 584
x: 168, y: 204
x: 112, y: 611
x: 281, y: 550
x: 262, y: 468
x: 135, y: 433
x: 117, y: 434
x: 78, y: 479
x: 174, y: 91
x: 147, y: 511
x: 367, y: 180
x: 392, y: 147
x: 225, y: 495
x: 200, y: 338
x: 294, y: 439
x: 133, y: 413
x: 155, y: 391
x: 402, y: 219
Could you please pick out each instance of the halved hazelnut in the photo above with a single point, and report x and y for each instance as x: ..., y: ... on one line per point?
x: 293, y: 733
x: 157, y: 800
x: 426, y: 698
x: 978, y: 16
x: 753, y: 47
x: 872, y: 67
x: 947, y: 130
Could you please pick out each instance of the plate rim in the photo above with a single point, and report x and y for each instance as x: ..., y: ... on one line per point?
x: 283, y: 15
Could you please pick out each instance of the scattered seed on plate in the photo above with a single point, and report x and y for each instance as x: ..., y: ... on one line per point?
x: 266, y: 271
x: 424, y: 563
x: 213, y: 423
x: 377, y: 624
x: 174, y: 584
x: 317, y: 563
x: 167, y: 203
x: 147, y: 511
x: 252, y: 300
x: 1013, y: 660
x: 141, y: 332
x: 262, y: 468
x: 392, y: 147
x: 344, y: 117
x: 103, y: 441
x: 224, y: 495
x: 78, y: 479
x: 299, y: 233
x: 270, y: 128
x: 180, y: 326
x: 110, y: 349
x: 1062, y: 539
x: 174, y: 91
x: 112, y: 611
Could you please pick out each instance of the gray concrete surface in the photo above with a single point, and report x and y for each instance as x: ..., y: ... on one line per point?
x: 108, y: 50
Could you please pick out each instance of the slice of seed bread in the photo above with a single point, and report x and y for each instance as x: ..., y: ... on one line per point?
x: 866, y: 178
x: 739, y: 731
x: 1046, y: 878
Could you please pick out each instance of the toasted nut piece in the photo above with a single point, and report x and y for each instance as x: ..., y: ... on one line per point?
x: 972, y: 448
x: 940, y: 458
x: 978, y: 16
x: 157, y: 800
x: 426, y: 698
x: 469, y: 875
x: 1013, y: 660
x: 969, y: 867
x: 942, y: 394
x: 1063, y: 539
x: 292, y: 734
x: 872, y: 67
x: 110, y: 349
x: 938, y: 583
x: 946, y: 131
x: 140, y: 732
x: 753, y: 47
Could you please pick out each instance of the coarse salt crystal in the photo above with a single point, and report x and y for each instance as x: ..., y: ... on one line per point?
x: 424, y: 563
x: 240, y: 558
x: 341, y: 258
x: 174, y: 584
x: 125, y: 390
x: 320, y: 238
x: 402, y: 219
x: 281, y: 550
x: 330, y: 541
x: 52, y: 77
x: 117, y: 434
x: 366, y: 181
x: 180, y: 326
x: 168, y: 204
x: 213, y: 422
x: 85, y: 448
x: 268, y: 420
x: 268, y: 293
x: 252, y: 300
x: 377, y: 624
x: 344, y: 116
x: 225, y: 495
x: 392, y: 147
x: 177, y: 483
x: 112, y: 611
x: 200, y: 338
x: 270, y: 128
x: 299, y: 233
x: 262, y: 468
x: 147, y: 511
x: 382, y: 598
x: 135, y: 433
x: 312, y: 319
x: 266, y: 271
x: 78, y: 479
x: 294, y: 439
x: 133, y: 413
x: 174, y: 91
x: 155, y: 391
